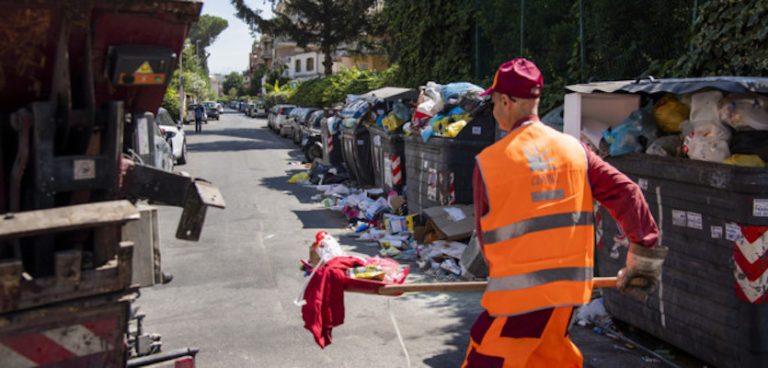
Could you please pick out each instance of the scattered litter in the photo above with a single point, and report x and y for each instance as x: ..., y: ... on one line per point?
x: 593, y: 313
x: 456, y: 214
x: 300, y: 178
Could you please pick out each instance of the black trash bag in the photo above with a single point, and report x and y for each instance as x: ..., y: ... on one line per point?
x: 752, y: 142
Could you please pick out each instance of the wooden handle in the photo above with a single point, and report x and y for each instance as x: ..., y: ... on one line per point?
x: 598, y: 282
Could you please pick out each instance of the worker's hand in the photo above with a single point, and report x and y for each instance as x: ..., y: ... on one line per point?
x: 642, y: 274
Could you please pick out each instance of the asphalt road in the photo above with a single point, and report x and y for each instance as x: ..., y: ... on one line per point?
x: 233, y: 291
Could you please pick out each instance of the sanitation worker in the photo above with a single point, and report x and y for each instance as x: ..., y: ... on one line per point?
x: 533, y: 193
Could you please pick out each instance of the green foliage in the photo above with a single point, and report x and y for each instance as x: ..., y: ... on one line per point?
x: 327, y: 91
x: 203, y: 33
x: 429, y: 45
x: 729, y: 38
x: 234, y: 80
x: 196, y: 82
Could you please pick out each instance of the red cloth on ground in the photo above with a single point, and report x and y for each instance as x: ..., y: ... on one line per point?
x: 325, y: 298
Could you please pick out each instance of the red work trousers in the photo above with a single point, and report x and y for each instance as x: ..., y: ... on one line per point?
x: 534, y: 339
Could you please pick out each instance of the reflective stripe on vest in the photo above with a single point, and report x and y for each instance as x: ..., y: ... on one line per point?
x: 537, y: 224
x: 537, y: 278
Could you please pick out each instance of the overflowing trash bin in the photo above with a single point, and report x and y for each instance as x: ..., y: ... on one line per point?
x: 355, y: 142
x: 331, y: 140
x: 440, y: 169
x: 391, y: 105
x: 388, y: 155
x: 712, y: 211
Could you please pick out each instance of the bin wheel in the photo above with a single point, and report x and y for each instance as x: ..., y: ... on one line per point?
x: 314, y: 151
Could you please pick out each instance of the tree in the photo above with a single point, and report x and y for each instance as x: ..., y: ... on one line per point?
x: 327, y: 23
x: 234, y: 80
x: 203, y: 33
x: 726, y: 40
x: 428, y: 47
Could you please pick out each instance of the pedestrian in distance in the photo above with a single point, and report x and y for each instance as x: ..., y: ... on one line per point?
x: 533, y: 198
x: 199, y: 112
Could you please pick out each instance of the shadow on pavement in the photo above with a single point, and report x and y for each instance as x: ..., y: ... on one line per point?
x: 319, y: 219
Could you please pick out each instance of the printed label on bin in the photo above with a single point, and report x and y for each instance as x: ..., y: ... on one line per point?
x: 376, y: 140
x: 642, y: 183
x: 432, y: 185
x: 84, y: 169
x: 732, y: 231
x: 360, y: 142
x: 694, y: 220
x: 476, y: 130
x: 760, y: 207
x: 679, y: 218
x: 716, y: 231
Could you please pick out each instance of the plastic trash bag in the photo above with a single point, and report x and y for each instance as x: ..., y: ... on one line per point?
x: 300, y: 178
x: 671, y: 145
x: 391, y: 122
x: 704, y: 107
x: 632, y: 134
x: 669, y: 113
x: 453, y: 129
x: 455, y: 90
x: 745, y: 111
x: 745, y: 160
x: 708, y: 142
x: 355, y: 109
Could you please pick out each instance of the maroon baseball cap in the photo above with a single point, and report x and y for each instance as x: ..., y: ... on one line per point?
x: 517, y: 78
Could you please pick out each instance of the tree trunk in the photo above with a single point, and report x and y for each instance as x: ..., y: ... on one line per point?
x: 328, y: 62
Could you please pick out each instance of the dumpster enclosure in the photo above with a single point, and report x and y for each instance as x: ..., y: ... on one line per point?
x: 713, y: 216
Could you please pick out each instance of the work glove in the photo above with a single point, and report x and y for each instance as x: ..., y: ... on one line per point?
x: 642, y: 274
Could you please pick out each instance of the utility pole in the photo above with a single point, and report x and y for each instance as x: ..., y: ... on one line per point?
x: 522, y: 25
x: 581, y: 40
x: 182, y: 96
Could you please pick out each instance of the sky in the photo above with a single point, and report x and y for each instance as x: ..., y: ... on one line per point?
x: 230, y: 51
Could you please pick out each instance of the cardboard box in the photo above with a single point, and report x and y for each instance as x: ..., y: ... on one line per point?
x: 442, y: 221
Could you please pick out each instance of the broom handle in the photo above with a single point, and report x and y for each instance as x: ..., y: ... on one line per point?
x: 598, y: 282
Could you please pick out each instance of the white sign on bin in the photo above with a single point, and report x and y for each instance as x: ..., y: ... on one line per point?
x: 760, y: 207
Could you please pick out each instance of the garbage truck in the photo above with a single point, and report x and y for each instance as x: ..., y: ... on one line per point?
x: 80, y: 82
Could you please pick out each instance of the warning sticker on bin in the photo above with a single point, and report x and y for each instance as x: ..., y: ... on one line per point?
x: 679, y: 218
x: 732, y: 232
x: 716, y: 231
x: 642, y: 183
x: 376, y: 140
x: 476, y: 130
x: 694, y: 220
x: 760, y: 207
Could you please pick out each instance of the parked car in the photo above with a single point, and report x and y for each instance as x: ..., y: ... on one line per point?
x: 301, y: 120
x: 311, y: 136
x: 211, y: 109
x: 280, y: 116
x: 190, y: 118
x: 259, y: 109
x: 174, y: 135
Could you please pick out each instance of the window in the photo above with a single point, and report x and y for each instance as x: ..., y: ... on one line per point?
x: 310, y: 64
x: 298, y: 66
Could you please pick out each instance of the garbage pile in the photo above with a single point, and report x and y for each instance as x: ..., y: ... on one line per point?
x: 381, y: 220
x: 443, y: 110
x: 710, y: 126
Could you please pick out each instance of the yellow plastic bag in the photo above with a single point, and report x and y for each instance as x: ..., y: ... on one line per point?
x: 453, y: 129
x: 669, y: 113
x: 744, y: 160
x: 391, y: 122
x: 301, y: 177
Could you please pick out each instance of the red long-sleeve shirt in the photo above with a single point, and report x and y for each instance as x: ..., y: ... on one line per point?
x: 621, y: 197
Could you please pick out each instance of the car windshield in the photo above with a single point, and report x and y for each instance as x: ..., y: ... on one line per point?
x: 164, y: 118
x: 210, y: 105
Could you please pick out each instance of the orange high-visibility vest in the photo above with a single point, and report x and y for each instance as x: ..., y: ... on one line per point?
x: 537, y: 235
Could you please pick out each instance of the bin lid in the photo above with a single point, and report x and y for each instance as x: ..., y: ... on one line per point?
x: 676, y: 85
x: 393, y: 93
